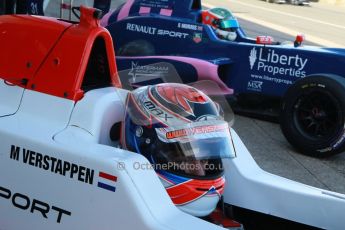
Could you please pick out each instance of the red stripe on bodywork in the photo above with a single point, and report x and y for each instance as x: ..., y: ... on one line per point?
x: 107, y: 176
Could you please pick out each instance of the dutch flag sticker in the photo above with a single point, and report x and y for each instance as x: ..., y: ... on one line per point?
x: 107, y: 181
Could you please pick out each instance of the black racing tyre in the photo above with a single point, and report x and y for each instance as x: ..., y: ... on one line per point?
x: 313, y: 115
x: 137, y: 48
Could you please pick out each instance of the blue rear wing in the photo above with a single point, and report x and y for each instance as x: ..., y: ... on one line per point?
x: 190, y: 9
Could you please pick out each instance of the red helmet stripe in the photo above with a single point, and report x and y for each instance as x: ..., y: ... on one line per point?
x: 194, y: 189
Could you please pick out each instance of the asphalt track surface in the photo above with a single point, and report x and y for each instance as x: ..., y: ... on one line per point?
x: 323, y: 25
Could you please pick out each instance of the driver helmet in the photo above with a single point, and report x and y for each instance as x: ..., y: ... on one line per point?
x: 222, y: 20
x: 181, y: 132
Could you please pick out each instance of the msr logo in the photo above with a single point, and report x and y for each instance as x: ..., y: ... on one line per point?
x: 255, y: 85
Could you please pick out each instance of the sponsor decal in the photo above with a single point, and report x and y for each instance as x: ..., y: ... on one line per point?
x: 255, y: 85
x: 156, y: 111
x: 252, y: 58
x: 271, y: 62
x: 338, y: 142
x: 34, y: 206
x: 195, y: 130
x: 61, y: 167
x: 325, y: 150
x: 146, y: 71
x: 146, y: 112
x: 273, y: 79
x: 264, y: 40
x: 189, y: 26
x: 197, y: 37
x: 157, y: 3
x: 155, y: 31
x: 52, y: 164
x: 107, y: 181
x: 141, y: 29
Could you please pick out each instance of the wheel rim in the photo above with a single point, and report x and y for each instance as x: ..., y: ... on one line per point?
x: 317, y: 116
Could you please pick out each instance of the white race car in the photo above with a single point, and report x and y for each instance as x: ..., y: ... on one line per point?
x: 61, y: 165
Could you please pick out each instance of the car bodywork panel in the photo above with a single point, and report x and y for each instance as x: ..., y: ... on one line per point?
x: 43, y: 66
x: 265, y: 69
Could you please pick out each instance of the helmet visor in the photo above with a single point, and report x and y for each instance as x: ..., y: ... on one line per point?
x: 226, y: 24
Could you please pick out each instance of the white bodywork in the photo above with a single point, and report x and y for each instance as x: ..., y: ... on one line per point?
x: 252, y: 188
x: 34, y: 198
x: 48, y: 127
